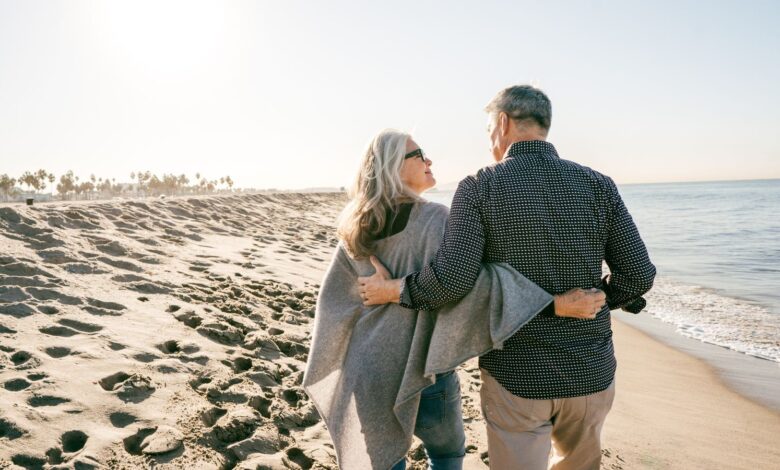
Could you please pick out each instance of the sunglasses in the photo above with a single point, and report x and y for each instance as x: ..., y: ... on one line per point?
x: 415, y: 153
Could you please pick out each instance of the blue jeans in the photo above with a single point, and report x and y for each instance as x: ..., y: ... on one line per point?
x: 440, y: 424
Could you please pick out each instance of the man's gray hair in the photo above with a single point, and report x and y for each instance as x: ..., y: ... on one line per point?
x: 523, y: 103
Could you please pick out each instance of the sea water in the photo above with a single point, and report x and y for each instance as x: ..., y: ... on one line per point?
x: 717, y: 249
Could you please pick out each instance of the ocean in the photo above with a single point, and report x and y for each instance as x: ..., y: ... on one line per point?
x: 717, y: 249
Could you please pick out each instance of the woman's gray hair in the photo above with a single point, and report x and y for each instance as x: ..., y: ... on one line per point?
x: 377, y: 188
x: 523, y: 103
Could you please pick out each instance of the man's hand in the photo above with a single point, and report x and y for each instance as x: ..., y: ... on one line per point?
x: 379, y: 289
x: 580, y: 303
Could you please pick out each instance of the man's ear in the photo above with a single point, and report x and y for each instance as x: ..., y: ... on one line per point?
x: 503, y: 123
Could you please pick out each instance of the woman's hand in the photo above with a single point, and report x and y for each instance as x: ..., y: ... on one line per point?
x: 379, y: 289
x: 580, y: 303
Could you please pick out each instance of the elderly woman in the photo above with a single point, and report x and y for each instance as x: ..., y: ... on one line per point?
x: 379, y: 375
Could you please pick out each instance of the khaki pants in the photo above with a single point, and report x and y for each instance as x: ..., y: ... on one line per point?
x: 520, y: 430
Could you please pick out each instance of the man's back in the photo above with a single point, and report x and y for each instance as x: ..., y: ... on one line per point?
x: 555, y: 222
x: 547, y: 217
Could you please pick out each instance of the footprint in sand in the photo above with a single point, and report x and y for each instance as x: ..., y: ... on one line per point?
x: 199, y: 266
x: 110, y: 247
x: 170, y: 347
x: 111, y: 382
x: 12, y: 294
x: 212, y: 415
x: 100, y: 312
x: 200, y: 383
x: 154, y: 441
x: 120, y: 419
x: 51, y: 294
x: 28, y: 461
x: 80, y: 326
x: 222, y: 333
x: 46, y: 400
x: 17, y: 310
x: 9, y: 430
x: 238, y: 424
x: 56, y: 256
x: 241, y: 364
x: 150, y: 288
x: 297, y: 456
x: 24, y: 360
x: 261, y: 404
x: 16, y: 385
x: 61, y: 331
x: 182, y: 352
x: 121, y: 264
x: 133, y: 388
x: 127, y: 278
x: 106, y: 305
x: 101, y: 308
x: 292, y: 396
x: 145, y: 357
x: 48, y: 309
x: 14, y: 267
x: 71, y: 443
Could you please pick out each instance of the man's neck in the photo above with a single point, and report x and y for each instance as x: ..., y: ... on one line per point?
x: 526, y: 137
x: 522, y: 138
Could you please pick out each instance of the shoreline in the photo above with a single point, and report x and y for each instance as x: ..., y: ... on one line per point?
x: 752, y: 377
x: 673, y: 410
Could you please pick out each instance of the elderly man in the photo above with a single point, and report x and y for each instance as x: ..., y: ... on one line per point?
x: 555, y: 222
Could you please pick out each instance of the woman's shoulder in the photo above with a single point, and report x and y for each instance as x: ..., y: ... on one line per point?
x: 432, y: 215
x: 433, y: 209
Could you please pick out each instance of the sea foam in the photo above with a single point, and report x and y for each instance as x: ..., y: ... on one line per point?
x: 708, y: 316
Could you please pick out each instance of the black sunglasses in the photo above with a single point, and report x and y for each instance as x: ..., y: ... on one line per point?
x: 415, y: 153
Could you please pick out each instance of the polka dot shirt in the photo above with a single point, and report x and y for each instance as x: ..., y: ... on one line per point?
x: 554, y: 221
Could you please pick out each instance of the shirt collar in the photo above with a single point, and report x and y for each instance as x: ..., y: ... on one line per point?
x: 530, y: 150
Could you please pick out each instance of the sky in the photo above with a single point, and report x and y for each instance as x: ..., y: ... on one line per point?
x: 286, y: 94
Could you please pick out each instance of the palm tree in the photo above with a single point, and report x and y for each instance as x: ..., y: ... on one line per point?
x: 42, y: 177
x: 6, y: 185
x: 87, y: 187
x: 67, y: 184
x: 30, y: 180
x: 183, y: 181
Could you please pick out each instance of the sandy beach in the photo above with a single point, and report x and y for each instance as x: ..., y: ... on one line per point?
x: 173, y: 333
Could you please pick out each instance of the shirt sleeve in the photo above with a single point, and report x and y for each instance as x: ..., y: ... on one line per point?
x: 456, y: 266
x: 631, y: 272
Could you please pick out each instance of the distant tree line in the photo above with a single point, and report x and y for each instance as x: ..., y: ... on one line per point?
x: 143, y: 183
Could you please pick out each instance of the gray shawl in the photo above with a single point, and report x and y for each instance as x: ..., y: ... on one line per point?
x: 368, y: 365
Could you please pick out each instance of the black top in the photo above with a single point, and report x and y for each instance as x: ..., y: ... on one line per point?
x: 396, y: 220
x: 555, y: 222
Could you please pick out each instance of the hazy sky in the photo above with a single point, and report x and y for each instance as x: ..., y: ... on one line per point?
x: 286, y: 94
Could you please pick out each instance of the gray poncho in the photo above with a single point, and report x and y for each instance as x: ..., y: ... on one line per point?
x: 368, y: 365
